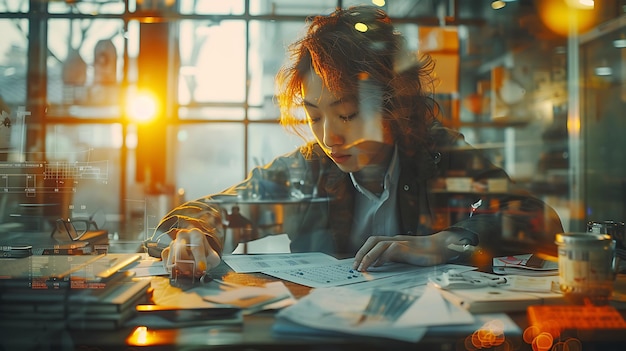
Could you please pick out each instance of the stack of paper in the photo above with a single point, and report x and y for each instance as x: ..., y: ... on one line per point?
x: 346, y: 310
x: 219, y: 294
x: 75, y: 292
x: 250, y: 299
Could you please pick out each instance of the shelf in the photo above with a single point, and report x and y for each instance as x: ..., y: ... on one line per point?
x: 501, y: 122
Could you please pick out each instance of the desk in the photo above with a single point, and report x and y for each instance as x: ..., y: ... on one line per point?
x: 256, y: 334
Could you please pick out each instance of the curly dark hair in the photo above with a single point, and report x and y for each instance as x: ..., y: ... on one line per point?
x: 359, y: 43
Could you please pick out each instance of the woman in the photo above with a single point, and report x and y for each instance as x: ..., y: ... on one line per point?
x: 379, y: 156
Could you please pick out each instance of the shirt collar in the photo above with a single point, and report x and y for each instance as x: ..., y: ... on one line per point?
x: 390, y: 175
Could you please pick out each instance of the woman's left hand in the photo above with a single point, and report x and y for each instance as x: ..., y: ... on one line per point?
x: 417, y: 250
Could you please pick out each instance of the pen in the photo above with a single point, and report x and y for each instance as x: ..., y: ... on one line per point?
x: 206, y: 278
x: 475, y: 206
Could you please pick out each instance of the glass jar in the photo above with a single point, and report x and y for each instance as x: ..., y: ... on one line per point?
x: 587, y: 266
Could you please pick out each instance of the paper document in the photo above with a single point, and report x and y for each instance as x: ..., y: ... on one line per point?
x: 251, y: 299
x: 316, y: 270
x: 415, y: 279
x: 341, y: 273
x: 346, y: 310
x: 264, y: 262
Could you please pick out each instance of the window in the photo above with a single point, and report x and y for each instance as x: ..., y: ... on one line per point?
x: 68, y: 71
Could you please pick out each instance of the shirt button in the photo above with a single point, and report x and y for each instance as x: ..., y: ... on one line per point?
x: 406, y: 187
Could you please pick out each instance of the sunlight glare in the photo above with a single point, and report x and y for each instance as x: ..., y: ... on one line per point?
x: 142, y: 106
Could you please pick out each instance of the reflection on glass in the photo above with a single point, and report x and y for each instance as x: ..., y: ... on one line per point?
x: 222, y: 7
x: 267, y: 141
x: 14, y: 6
x: 13, y: 60
x: 87, y: 156
x: 269, y: 111
x: 603, y: 100
x: 74, y: 229
x: 13, y: 73
x: 211, y: 113
x: 267, y: 51
x: 208, y: 158
x: 87, y: 7
x: 212, y: 56
x: 85, y: 61
x: 212, y: 87
x: 287, y: 7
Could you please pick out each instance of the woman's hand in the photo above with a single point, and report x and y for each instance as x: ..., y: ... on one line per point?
x: 417, y: 250
x: 190, y: 255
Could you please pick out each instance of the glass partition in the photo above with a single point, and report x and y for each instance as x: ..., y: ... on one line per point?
x: 603, y: 100
x: 71, y: 73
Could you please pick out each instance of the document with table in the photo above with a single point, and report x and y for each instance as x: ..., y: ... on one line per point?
x: 392, y: 301
x: 318, y: 270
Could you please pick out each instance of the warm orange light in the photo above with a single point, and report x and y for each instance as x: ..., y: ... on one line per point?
x: 559, y: 16
x: 142, y: 106
x: 581, y: 4
x: 531, y: 333
x: 542, y: 342
x: 139, y: 336
x: 142, y: 336
x: 573, y: 126
x: 167, y: 3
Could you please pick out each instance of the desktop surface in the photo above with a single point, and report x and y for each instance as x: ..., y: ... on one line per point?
x: 258, y: 333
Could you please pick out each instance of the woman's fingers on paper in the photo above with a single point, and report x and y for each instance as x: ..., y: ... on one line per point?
x: 377, y: 250
x: 371, y: 254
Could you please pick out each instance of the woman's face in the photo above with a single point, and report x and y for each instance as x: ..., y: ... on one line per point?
x: 350, y: 129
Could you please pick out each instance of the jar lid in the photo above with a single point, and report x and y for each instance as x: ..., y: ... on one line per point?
x: 581, y: 238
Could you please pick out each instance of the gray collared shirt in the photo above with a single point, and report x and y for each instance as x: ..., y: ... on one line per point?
x: 376, y: 215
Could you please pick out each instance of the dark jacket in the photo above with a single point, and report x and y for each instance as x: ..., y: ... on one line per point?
x: 323, y: 222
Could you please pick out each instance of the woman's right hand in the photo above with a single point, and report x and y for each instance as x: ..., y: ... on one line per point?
x: 190, y: 254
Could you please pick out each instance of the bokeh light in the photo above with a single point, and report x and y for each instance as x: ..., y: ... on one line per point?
x: 557, y: 15
x: 142, y: 106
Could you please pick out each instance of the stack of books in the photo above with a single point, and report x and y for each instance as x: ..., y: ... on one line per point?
x: 90, y: 292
